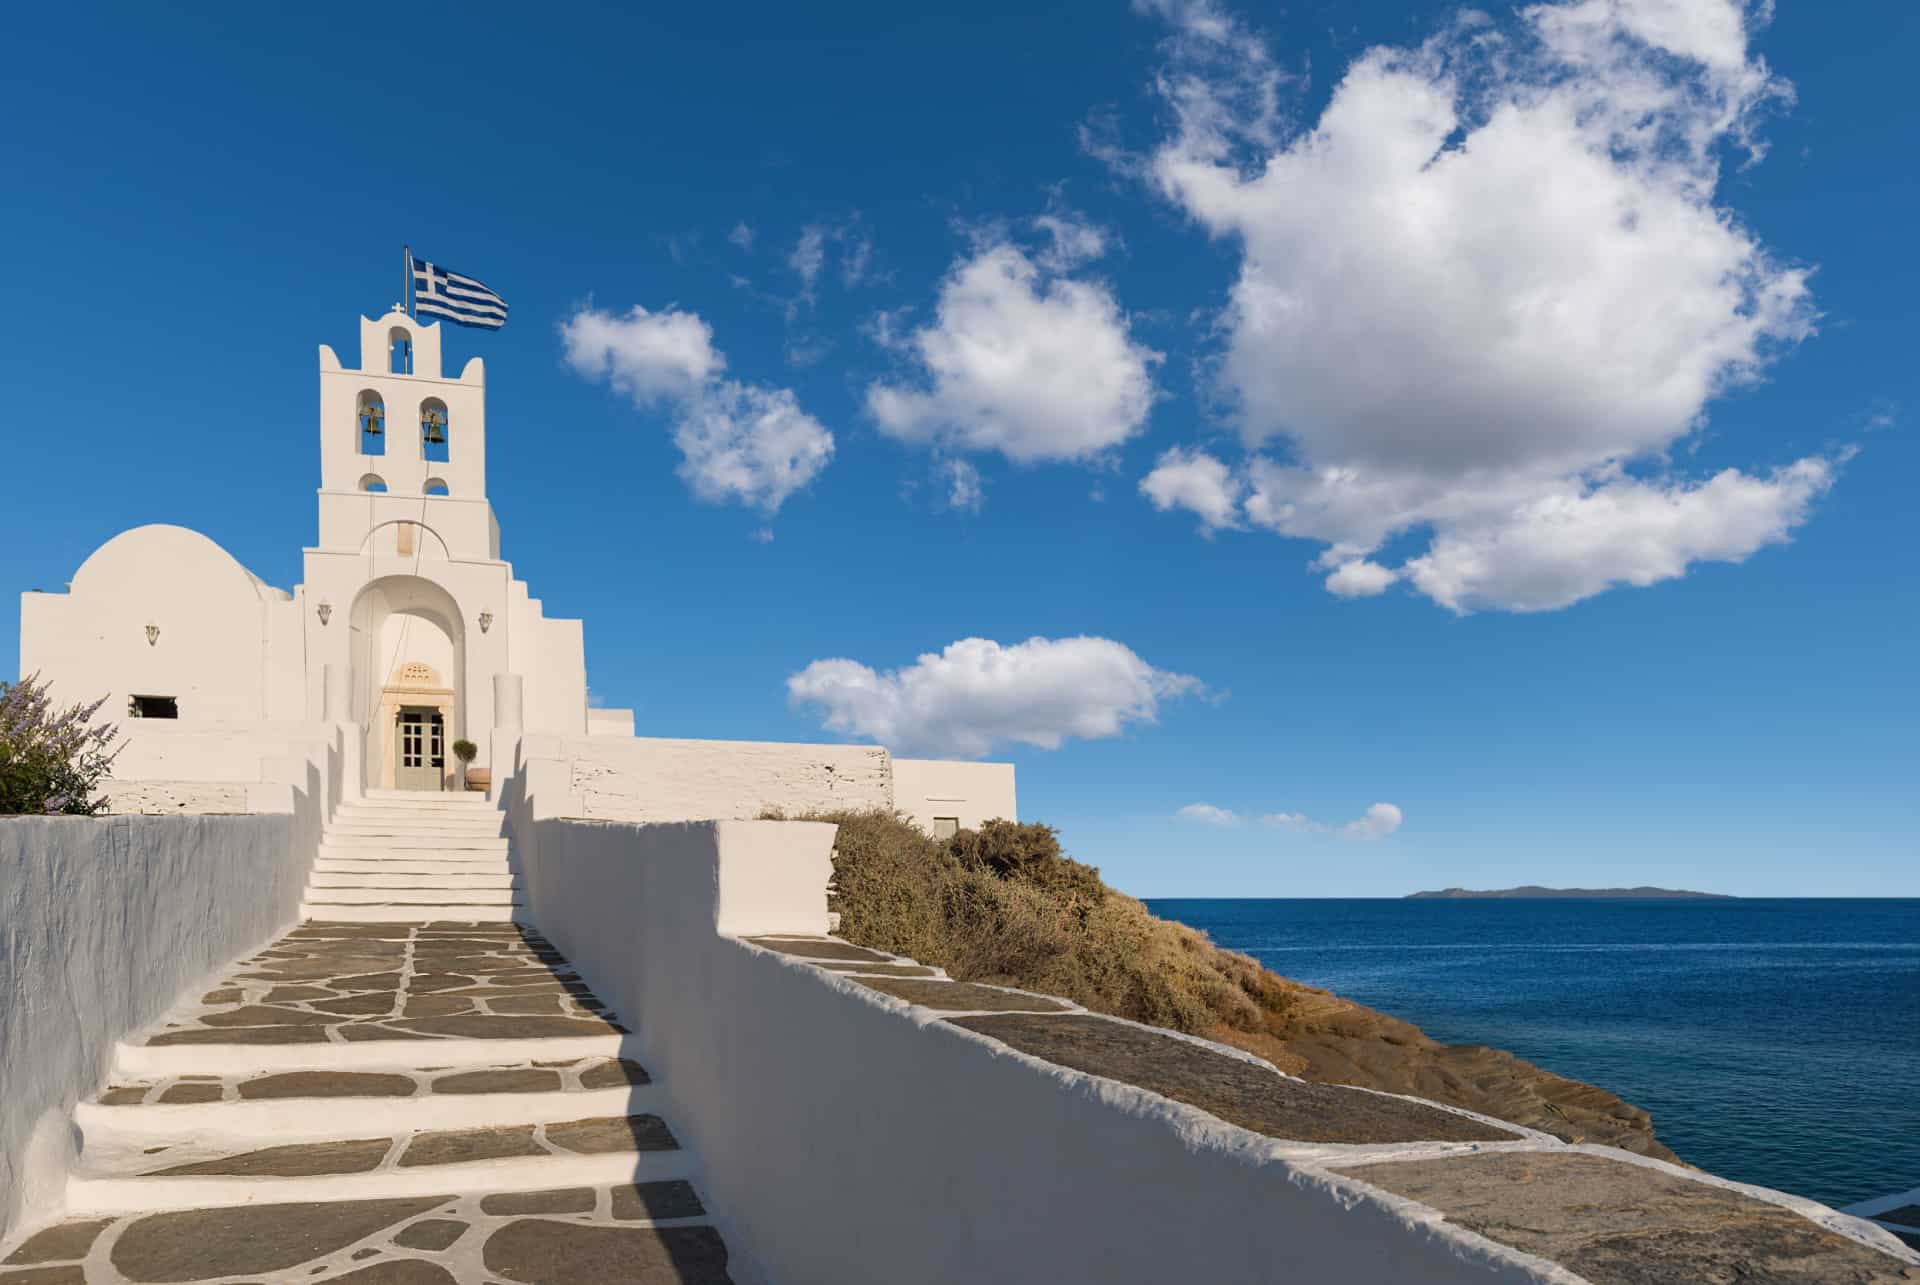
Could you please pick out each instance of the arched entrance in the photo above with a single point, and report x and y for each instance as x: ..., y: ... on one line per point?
x: 409, y: 670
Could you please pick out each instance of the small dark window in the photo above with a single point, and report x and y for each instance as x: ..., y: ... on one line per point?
x: 153, y: 707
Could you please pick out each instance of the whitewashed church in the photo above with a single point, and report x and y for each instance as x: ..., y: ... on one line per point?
x: 408, y: 632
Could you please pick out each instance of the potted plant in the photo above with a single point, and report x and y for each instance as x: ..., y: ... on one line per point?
x: 464, y: 750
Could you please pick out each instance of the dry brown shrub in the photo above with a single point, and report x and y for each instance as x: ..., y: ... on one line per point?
x: 1004, y: 904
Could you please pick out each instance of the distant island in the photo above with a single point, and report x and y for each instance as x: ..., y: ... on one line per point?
x: 1588, y: 894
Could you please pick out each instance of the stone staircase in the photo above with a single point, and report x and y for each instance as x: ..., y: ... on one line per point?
x: 423, y: 1103
x: 402, y: 856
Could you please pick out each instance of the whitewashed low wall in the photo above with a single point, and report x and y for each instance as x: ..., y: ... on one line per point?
x: 107, y: 922
x: 848, y: 1138
x: 171, y: 768
x: 646, y: 779
x: 653, y: 779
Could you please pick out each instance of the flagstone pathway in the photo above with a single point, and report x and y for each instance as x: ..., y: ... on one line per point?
x: 412, y: 1090
x: 382, y: 1105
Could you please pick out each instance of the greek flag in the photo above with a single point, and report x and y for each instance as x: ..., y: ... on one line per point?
x: 439, y: 291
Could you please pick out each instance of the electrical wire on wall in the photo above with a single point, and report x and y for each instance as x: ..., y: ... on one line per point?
x: 406, y: 623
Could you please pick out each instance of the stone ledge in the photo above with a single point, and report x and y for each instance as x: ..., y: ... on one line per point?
x: 1239, y: 1091
x: 1619, y: 1223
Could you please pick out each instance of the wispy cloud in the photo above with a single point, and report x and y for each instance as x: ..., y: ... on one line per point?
x: 1377, y: 822
x: 741, y: 442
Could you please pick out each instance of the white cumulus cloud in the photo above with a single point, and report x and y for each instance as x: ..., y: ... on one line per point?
x: 1561, y: 548
x: 1021, y: 360
x: 1360, y: 578
x: 1208, y: 814
x: 1377, y: 822
x: 737, y: 441
x: 977, y: 694
x: 646, y: 355
x: 1198, y: 482
x: 1488, y: 279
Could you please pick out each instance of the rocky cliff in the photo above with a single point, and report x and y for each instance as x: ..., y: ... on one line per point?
x: 1005, y: 905
x: 1336, y: 1041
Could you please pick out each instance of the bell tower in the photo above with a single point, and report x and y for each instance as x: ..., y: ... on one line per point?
x: 403, y: 446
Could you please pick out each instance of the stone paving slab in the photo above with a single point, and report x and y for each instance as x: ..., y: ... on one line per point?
x: 334, y: 983
x: 1250, y: 1095
x: 880, y: 970
x: 650, y: 1234
x: 957, y: 997
x: 1617, y: 1223
x: 820, y: 948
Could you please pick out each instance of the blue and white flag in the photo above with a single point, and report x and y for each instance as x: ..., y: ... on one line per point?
x: 438, y: 291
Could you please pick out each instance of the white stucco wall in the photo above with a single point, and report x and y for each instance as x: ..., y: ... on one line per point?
x: 851, y: 1138
x: 973, y: 792
x: 655, y: 779
x: 215, y: 621
x: 165, y: 750
x: 609, y: 722
x: 104, y: 924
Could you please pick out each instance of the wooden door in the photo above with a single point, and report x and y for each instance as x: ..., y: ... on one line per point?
x: 419, y: 750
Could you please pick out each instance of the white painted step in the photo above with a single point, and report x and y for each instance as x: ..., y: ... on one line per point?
x: 412, y: 879
x: 424, y: 802
x: 137, y: 1060
x: 412, y: 896
x: 491, y: 824
x: 413, y: 863
x: 113, y: 1131
x: 465, y: 842
x: 327, y: 852
x: 439, y: 837
x: 88, y: 1194
x: 383, y: 811
x: 329, y: 912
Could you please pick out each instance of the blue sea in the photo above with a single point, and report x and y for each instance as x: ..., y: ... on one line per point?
x: 1774, y: 1041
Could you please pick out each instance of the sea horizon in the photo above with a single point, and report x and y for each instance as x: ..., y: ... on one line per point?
x: 1771, y: 1038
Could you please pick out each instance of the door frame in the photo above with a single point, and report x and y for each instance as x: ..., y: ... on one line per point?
x: 433, y: 736
x: 419, y: 689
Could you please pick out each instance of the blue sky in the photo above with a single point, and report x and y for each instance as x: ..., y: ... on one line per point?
x: 1507, y: 419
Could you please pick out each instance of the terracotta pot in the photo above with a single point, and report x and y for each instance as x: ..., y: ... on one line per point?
x: 479, y: 778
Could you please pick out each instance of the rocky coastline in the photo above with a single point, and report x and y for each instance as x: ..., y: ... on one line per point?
x: 1333, y: 1040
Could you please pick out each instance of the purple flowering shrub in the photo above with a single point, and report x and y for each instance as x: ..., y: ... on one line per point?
x: 51, y: 760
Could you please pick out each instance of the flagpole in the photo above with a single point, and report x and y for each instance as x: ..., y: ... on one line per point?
x: 406, y: 276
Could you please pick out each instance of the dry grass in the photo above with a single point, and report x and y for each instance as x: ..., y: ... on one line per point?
x: 1003, y: 904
